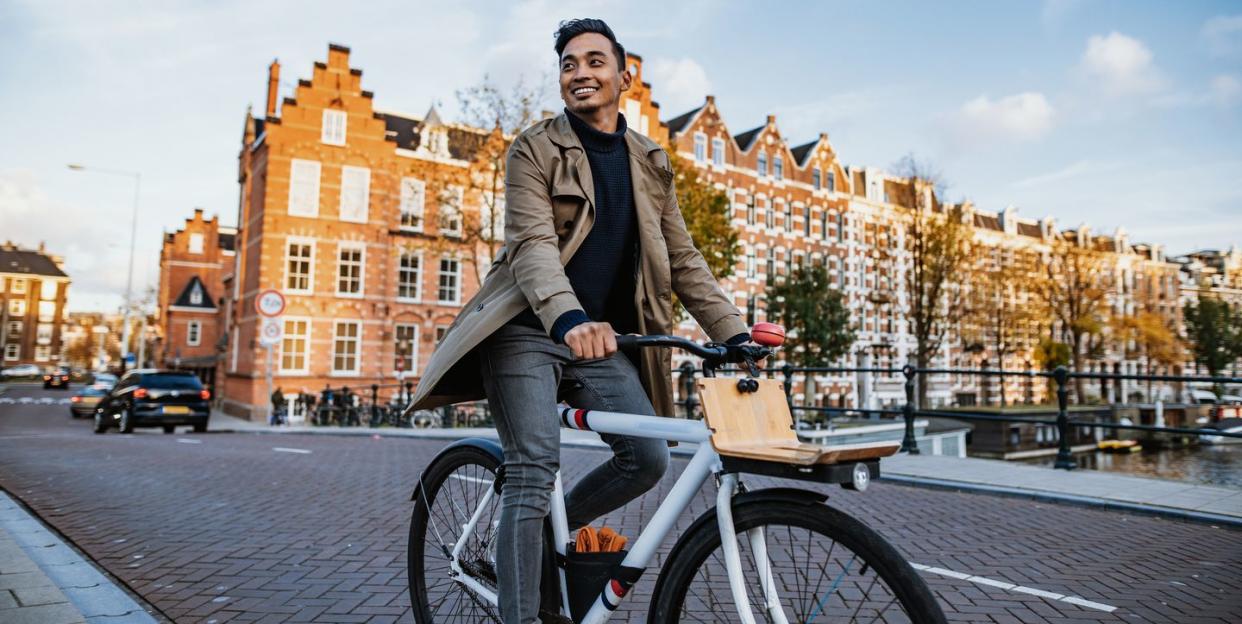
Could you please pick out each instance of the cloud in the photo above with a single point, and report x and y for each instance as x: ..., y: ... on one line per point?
x: 1226, y: 89
x: 1080, y: 168
x: 1120, y: 65
x: 681, y: 83
x: 1223, y: 35
x: 1020, y: 117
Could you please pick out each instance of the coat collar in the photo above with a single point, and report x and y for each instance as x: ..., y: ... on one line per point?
x: 562, y: 134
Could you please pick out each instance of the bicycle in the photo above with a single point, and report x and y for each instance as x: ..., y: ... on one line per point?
x: 779, y: 551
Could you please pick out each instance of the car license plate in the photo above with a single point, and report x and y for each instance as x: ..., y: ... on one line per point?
x: 176, y: 409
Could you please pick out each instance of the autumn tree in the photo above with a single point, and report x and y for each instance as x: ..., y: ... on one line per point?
x: 996, y: 316
x: 939, y: 242
x: 1214, y: 330
x: 1148, y: 335
x: 815, y: 316
x: 706, y: 211
x: 1073, y: 292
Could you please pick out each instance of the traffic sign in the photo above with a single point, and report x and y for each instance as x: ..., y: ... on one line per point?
x: 270, y: 303
x: 271, y: 330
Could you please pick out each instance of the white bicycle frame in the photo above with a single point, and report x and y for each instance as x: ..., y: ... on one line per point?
x: 705, y: 463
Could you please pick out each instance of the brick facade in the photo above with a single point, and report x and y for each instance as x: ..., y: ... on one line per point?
x: 33, y: 290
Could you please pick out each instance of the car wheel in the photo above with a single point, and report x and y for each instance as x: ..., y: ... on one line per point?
x: 101, y: 426
x: 127, y: 422
x: 200, y: 427
x: 170, y: 429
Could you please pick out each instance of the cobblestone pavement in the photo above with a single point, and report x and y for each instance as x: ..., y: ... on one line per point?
x: 225, y: 528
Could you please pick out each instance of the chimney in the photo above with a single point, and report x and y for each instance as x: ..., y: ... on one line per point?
x: 273, y: 86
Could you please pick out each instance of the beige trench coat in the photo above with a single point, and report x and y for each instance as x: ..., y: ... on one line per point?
x: 549, y: 209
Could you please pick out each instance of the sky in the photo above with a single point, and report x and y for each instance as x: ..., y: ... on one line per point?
x: 1115, y: 113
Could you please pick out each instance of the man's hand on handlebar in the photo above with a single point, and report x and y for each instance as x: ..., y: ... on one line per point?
x: 590, y: 341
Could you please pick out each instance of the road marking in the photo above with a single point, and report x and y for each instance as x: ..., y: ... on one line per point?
x: 983, y: 580
x: 281, y: 449
x: 471, y: 479
x: 189, y: 441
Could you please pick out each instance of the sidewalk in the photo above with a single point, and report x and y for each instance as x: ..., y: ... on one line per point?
x: 1105, y: 489
x: 44, y: 581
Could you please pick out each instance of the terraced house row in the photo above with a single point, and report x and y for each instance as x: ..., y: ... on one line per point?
x: 373, y: 226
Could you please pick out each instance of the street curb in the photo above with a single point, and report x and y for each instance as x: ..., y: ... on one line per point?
x: 96, y: 596
x: 1070, y: 499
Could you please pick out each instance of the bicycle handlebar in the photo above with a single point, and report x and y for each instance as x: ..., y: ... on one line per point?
x: 713, y: 353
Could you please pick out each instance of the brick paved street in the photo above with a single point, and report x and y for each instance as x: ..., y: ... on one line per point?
x: 222, y: 528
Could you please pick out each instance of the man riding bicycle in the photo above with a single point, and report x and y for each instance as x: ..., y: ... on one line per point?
x: 595, y: 245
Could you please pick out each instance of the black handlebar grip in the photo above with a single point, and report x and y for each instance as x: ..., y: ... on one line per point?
x: 627, y: 342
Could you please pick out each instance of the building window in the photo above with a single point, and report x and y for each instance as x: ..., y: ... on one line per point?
x: 349, y: 271
x: 750, y: 210
x: 17, y: 307
x: 769, y: 218
x: 355, y: 193
x: 718, y: 152
x: 788, y: 217
x: 194, y: 333
x: 410, y: 276
x: 751, y: 306
x: 43, y: 333
x: 763, y: 164
x: 815, y: 178
x: 304, y: 188
x: 806, y: 221
x: 42, y: 353
x: 700, y: 147
x: 492, y: 218
x: 47, y: 290
x: 196, y: 243
x: 750, y: 263
x: 18, y: 285
x: 15, y: 328
x: 836, y: 270
x: 294, y: 345
x: 450, y: 211
x: 832, y: 181
x: 333, y: 127
x: 441, y: 332
x: 778, y: 167
x: 770, y: 265
x: 450, y: 281
x: 47, y: 311
x: 413, y: 199
x: 345, y: 338
x: 840, y: 227
x: 406, y: 348
x: 12, y: 352
x: 298, y: 262
x: 823, y: 226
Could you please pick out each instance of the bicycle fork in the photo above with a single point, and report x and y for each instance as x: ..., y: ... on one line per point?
x: 733, y: 559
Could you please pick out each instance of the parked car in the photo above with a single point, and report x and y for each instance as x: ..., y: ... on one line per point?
x: 154, y: 398
x: 56, y: 378
x: 21, y: 370
x: 84, y: 402
x: 104, y: 379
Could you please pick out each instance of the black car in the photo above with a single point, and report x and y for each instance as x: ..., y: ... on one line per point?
x: 56, y: 378
x: 154, y: 398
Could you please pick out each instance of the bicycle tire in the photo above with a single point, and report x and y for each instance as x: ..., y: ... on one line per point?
x: 678, y: 579
x: 433, y: 480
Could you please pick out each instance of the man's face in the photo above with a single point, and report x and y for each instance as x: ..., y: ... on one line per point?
x: 591, y: 75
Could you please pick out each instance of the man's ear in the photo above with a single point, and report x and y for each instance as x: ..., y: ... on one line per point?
x: 626, y: 80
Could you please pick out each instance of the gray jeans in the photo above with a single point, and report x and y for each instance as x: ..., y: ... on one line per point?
x: 522, y: 370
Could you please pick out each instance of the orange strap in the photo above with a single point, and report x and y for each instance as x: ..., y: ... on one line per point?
x: 602, y: 540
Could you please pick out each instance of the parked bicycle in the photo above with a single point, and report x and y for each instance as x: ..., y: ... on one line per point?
x: 776, y: 555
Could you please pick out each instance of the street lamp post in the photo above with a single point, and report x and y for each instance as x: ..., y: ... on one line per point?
x: 133, y: 239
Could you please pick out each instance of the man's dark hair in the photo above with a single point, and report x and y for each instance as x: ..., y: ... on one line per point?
x: 569, y: 29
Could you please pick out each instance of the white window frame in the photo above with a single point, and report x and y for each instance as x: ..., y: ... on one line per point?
x: 700, y: 147
x: 195, y: 244
x: 831, y: 181
x: 411, y: 359
x: 310, y: 268
x: 17, y: 307
x: 291, y: 336
x: 411, y: 189
x: 18, y: 285
x: 12, y: 352
x: 762, y: 167
x: 42, y: 353
x: 718, y: 148
x: 457, y: 281
x: 313, y: 171
x: 47, y: 311
x: 459, y: 198
x: 15, y: 328
x: 335, y: 122
x: 418, y: 281
x: 362, y: 177
x: 194, y: 333
x: 778, y: 167
x: 43, y: 333
x: 817, y: 178
x: 362, y: 269
x: 336, y: 336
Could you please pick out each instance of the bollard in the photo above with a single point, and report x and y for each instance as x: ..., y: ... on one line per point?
x: 1064, y: 460
x: 374, y: 404
x: 688, y: 388
x: 908, y: 443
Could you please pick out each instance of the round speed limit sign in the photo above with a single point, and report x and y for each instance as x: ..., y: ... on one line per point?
x: 270, y: 303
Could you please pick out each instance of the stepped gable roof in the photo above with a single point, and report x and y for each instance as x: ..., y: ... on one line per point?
x: 195, y: 295
x: 745, y: 139
x: 28, y: 261
x: 678, y: 123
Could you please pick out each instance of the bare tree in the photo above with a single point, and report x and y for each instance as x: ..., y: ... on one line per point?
x: 939, y: 241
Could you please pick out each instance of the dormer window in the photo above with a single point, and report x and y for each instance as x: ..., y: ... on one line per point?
x: 196, y: 295
x: 333, y: 132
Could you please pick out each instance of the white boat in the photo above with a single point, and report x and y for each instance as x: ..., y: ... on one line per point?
x: 1228, y: 425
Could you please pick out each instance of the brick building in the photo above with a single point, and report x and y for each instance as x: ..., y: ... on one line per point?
x: 32, y: 306
x: 195, y: 262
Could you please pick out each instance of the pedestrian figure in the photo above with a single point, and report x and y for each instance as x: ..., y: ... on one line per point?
x: 278, y: 408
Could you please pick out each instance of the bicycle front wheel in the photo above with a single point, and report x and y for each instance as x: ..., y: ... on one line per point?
x: 822, y: 566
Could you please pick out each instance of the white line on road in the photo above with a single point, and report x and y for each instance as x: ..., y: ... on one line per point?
x: 982, y: 580
x: 281, y: 449
x: 189, y: 441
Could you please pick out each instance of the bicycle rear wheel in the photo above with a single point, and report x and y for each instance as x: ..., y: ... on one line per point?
x: 825, y: 567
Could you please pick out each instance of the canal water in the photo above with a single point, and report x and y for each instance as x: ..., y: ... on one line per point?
x: 1219, y: 464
